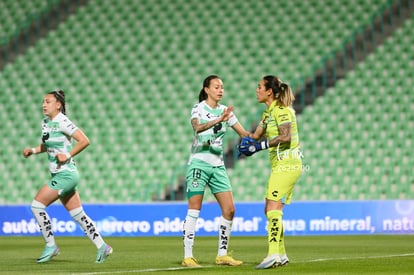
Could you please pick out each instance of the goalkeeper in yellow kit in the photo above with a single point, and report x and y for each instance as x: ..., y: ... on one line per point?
x: 278, y: 127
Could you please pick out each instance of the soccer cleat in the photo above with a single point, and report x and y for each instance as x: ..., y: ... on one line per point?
x: 270, y: 261
x: 190, y: 262
x: 227, y: 260
x: 284, y: 260
x: 103, y: 253
x: 48, y: 253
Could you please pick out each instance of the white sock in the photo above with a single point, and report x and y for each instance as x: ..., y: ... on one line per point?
x: 43, y: 219
x: 224, y: 236
x: 189, y: 231
x: 87, y: 225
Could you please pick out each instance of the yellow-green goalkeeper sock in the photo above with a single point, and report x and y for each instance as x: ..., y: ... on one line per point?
x: 274, y: 230
x: 282, y: 242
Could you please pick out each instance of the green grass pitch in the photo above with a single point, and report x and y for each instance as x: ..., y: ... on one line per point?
x: 370, y: 254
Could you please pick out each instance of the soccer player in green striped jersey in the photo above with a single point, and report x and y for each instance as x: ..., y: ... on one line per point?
x: 279, y: 128
x: 206, y: 167
x: 57, y: 133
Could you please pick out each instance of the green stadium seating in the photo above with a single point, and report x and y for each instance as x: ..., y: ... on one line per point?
x: 16, y: 16
x: 372, y: 156
x: 132, y: 70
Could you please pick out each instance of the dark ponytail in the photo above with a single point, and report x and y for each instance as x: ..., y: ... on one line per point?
x: 206, y: 83
x: 202, y: 96
x: 60, y: 96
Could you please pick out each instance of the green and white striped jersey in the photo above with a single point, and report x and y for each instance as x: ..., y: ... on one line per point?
x: 208, y: 145
x: 56, y: 137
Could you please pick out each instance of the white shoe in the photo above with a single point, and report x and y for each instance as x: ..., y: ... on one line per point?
x: 270, y: 261
x: 284, y: 260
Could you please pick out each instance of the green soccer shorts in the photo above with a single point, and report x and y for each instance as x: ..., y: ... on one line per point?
x: 65, y: 182
x: 201, y: 174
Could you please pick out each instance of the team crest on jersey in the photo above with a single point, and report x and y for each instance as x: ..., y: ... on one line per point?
x: 54, y: 127
x: 195, y: 183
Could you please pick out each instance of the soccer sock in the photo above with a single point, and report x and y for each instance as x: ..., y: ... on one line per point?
x: 274, y: 230
x: 282, y: 242
x: 189, y: 231
x: 224, y: 236
x: 87, y: 225
x: 43, y: 219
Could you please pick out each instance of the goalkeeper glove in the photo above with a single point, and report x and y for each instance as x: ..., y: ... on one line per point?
x: 244, y: 142
x: 248, y: 146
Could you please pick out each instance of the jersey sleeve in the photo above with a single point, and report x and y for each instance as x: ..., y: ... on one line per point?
x: 68, y: 127
x: 283, y: 115
x: 263, y: 119
x: 232, y: 120
x: 195, y: 112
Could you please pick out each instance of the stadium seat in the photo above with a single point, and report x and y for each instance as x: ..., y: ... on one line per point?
x: 133, y: 71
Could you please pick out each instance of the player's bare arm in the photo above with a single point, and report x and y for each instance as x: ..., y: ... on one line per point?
x: 240, y: 130
x: 258, y: 133
x: 198, y: 128
x: 35, y: 150
x: 82, y: 141
x: 284, y: 135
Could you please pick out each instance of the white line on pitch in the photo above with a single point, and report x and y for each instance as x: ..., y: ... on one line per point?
x: 205, y: 266
x: 144, y: 270
x: 357, y: 258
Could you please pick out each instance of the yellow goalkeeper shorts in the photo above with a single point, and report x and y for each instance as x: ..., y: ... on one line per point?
x: 282, y: 179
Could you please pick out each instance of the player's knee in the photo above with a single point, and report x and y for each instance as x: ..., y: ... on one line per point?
x: 273, y: 205
x: 228, y: 213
